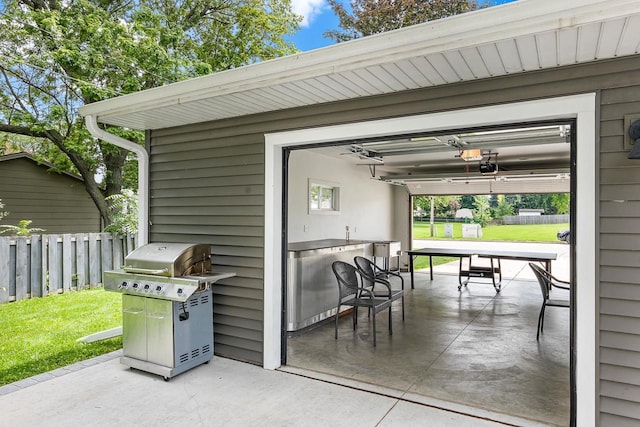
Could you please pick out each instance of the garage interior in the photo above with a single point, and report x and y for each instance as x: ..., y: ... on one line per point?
x: 469, y: 351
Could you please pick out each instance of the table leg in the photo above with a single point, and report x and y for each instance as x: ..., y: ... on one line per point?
x: 498, y: 285
x: 411, y: 258
x: 460, y: 282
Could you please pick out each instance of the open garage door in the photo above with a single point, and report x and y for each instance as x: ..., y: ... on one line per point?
x: 436, y: 353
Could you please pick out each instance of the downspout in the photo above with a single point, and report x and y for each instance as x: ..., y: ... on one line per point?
x: 143, y: 167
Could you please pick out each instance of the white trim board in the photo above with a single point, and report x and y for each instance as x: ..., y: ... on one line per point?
x: 581, y: 107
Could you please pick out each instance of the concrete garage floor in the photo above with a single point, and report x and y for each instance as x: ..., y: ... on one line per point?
x: 474, y: 348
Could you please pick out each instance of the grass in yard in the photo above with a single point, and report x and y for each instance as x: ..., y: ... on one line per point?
x: 39, y: 335
x: 507, y: 233
x: 423, y: 261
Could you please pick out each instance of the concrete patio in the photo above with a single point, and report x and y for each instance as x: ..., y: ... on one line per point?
x: 222, y: 393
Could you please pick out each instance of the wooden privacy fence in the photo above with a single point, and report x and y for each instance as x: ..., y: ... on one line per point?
x: 38, y: 265
x: 535, y: 219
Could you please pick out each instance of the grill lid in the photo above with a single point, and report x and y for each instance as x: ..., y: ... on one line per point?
x: 169, y: 259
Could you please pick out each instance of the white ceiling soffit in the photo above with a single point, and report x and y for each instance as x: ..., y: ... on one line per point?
x: 523, y: 36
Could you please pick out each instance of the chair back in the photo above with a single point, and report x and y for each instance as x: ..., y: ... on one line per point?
x: 543, y: 279
x: 346, y: 277
x: 366, y: 269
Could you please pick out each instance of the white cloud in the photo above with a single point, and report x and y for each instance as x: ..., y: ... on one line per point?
x: 308, y: 9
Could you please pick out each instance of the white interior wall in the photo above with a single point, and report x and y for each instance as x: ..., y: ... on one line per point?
x: 366, y: 205
x: 402, y: 223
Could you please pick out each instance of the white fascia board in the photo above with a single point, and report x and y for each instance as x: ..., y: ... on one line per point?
x: 476, y: 28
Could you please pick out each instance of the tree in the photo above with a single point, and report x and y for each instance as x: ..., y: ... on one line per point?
x: 561, y: 202
x: 124, y: 213
x: 482, y: 212
x: 444, y: 206
x: 503, y: 208
x: 367, y: 17
x: 468, y: 202
x: 57, y: 55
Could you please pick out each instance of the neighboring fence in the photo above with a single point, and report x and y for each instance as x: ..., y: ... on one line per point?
x: 38, y: 265
x: 535, y: 219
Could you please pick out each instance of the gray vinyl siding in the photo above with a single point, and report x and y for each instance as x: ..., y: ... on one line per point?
x: 208, y: 188
x: 58, y: 203
x: 619, y: 262
x: 197, y: 151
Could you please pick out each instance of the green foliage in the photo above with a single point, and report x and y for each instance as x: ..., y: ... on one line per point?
x: 367, y: 17
x: 503, y: 208
x: 561, y: 202
x: 39, y: 335
x: 2, y: 213
x: 22, y: 229
x: 531, y: 201
x: 467, y: 202
x: 443, y: 206
x: 56, y: 56
x: 124, y: 207
x: 482, y: 212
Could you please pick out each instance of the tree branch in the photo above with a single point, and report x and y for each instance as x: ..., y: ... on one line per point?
x: 23, y: 130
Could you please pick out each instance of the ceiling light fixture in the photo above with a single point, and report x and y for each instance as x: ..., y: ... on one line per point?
x: 471, y: 155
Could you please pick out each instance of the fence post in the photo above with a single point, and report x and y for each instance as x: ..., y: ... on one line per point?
x: 4, y: 269
x: 94, y: 260
x: 66, y: 263
x: 45, y: 266
x: 37, y: 284
x: 54, y: 264
x: 118, y: 250
x: 107, y: 253
x: 81, y: 256
x: 22, y: 268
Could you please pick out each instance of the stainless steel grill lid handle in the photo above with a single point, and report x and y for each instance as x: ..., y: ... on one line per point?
x: 131, y: 269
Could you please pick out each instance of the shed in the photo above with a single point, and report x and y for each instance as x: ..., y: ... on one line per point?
x: 218, y: 143
x: 55, y: 202
x: 530, y: 212
x: 464, y: 213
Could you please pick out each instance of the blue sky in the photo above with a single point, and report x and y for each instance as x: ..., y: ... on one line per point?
x: 319, y: 18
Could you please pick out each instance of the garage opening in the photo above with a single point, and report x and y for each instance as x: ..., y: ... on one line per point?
x: 475, y: 346
x: 581, y: 108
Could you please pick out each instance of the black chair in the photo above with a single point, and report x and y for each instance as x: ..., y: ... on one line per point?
x: 351, y: 293
x: 371, y: 275
x: 547, y: 282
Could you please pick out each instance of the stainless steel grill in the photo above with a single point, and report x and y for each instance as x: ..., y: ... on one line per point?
x: 167, y: 307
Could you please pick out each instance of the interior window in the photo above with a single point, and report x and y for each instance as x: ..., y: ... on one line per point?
x: 323, y: 197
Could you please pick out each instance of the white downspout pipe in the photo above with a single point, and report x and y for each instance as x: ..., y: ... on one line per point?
x: 143, y: 167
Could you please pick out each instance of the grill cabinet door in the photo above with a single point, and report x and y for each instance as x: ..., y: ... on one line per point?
x: 160, y: 332
x: 134, y: 328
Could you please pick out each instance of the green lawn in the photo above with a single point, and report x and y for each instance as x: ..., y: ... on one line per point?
x: 39, y: 335
x: 507, y: 233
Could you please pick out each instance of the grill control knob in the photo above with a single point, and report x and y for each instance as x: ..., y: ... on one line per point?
x: 146, y: 287
x: 123, y: 285
x: 158, y: 288
x: 135, y: 285
x: 179, y: 291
